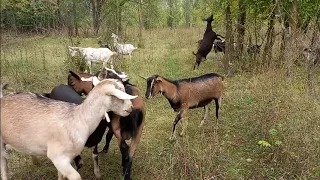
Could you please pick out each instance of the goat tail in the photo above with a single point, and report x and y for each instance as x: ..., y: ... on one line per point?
x: 136, y: 118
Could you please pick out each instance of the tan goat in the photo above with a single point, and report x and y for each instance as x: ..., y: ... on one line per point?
x: 36, y: 125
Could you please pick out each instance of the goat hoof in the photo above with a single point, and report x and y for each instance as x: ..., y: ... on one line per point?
x: 98, y: 175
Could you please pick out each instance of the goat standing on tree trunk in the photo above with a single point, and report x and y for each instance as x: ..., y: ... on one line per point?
x: 206, y: 43
x: 185, y: 94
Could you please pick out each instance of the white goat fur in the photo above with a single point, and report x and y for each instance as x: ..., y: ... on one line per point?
x: 94, y: 55
x: 124, y: 49
x: 41, y: 126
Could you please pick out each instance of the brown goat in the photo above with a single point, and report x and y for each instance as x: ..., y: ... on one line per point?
x: 124, y: 128
x: 78, y: 85
x: 187, y: 94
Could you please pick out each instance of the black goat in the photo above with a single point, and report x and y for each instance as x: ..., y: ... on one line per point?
x: 253, y: 49
x: 206, y: 43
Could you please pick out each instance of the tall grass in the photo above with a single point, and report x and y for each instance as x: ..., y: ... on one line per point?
x: 261, y: 107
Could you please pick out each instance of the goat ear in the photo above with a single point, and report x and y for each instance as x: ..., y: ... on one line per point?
x: 75, y: 75
x: 120, y: 94
x: 159, y: 79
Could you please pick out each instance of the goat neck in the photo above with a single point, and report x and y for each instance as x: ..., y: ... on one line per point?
x: 169, y: 89
x: 92, y: 108
x: 209, y: 27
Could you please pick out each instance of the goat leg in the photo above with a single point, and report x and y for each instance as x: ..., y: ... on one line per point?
x: 95, y: 162
x: 4, y: 165
x: 178, y: 118
x: 206, y: 109
x: 108, y: 139
x: 78, y: 161
x: 126, y: 162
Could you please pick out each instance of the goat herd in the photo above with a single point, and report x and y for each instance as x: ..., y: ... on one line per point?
x: 61, y: 123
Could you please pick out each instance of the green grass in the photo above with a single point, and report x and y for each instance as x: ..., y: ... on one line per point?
x: 255, y: 107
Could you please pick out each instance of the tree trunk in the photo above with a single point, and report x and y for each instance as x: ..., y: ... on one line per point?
x: 241, y: 28
x: 187, y: 10
x: 140, y: 22
x: 96, y: 14
x: 170, y: 14
x: 313, y: 60
x: 267, y: 52
x: 229, y: 41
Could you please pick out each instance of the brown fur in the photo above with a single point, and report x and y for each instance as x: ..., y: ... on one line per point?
x: 78, y: 85
x: 184, y: 94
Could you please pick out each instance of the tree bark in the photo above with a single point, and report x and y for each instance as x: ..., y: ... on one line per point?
x: 170, y: 14
x: 313, y: 60
x: 241, y: 27
x: 140, y: 22
x: 229, y: 41
x: 267, y: 52
x: 96, y: 14
x: 187, y: 10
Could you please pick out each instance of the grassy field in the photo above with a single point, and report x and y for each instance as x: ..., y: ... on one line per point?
x: 262, y: 107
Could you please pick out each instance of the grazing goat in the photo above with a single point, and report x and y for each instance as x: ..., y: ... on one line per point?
x: 253, y: 49
x: 124, y: 128
x: 94, y: 55
x: 219, y: 46
x: 103, y: 45
x: 37, y: 125
x: 187, y: 94
x: 67, y: 94
x: 206, y: 43
x: 124, y: 49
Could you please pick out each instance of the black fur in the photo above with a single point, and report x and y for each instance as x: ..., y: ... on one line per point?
x: 206, y: 43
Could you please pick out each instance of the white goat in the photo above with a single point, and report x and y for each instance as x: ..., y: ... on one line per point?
x: 39, y: 126
x: 93, y: 55
x: 124, y: 49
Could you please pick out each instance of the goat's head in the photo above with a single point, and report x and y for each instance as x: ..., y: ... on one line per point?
x: 154, y: 85
x: 209, y: 19
x: 115, y: 37
x: 73, y: 51
x: 77, y: 84
x: 3, y: 86
x: 120, y: 101
x: 112, y: 74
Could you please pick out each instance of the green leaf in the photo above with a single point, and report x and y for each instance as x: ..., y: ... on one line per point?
x: 264, y: 143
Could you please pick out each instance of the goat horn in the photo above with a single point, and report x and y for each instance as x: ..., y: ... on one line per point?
x: 142, y: 77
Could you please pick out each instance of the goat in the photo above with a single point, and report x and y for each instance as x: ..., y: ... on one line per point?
x: 61, y: 128
x: 93, y: 55
x: 253, y: 49
x: 206, y: 43
x: 103, y: 45
x: 124, y: 49
x: 219, y: 46
x: 187, y: 94
x: 67, y: 94
x: 124, y: 128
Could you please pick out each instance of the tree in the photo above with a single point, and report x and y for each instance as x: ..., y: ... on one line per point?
x: 229, y: 40
x: 96, y: 14
x: 187, y: 12
x: 267, y: 52
x: 241, y: 27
